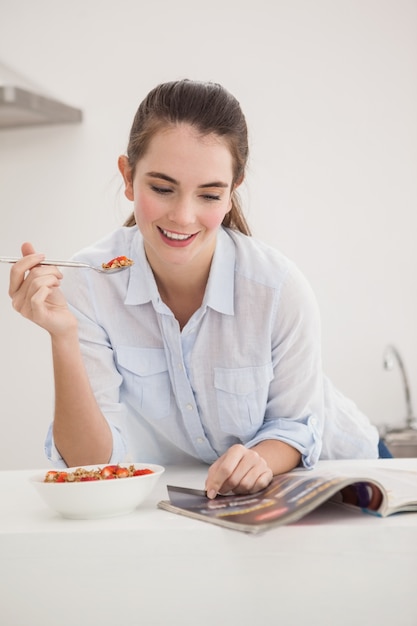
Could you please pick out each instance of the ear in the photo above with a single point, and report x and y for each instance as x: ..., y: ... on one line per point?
x: 126, y: 172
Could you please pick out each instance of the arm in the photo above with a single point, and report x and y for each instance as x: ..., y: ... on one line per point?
x: 81, y: 432
x: 279, y: 456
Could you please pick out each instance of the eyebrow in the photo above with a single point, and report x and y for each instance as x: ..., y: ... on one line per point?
x: 169, y: 179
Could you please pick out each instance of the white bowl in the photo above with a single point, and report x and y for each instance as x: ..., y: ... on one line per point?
x: 98, y: 498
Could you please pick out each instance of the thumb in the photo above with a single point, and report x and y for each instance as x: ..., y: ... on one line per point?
x: 27, y: 248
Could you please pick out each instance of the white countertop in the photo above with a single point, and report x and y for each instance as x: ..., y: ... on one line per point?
x: 333, y: 568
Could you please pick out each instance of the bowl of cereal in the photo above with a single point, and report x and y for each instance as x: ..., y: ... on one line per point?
x: 95, y: 491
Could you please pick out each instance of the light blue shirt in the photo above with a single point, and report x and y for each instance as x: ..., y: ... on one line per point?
x: 245, y: 368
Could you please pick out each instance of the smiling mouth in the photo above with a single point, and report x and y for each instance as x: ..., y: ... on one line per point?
x: 175, y: 236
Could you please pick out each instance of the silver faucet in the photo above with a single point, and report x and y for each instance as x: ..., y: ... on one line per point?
x: 391, y: 354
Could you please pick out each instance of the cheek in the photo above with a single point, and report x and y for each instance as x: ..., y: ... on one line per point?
x: 213, y: 218
x: 146, y: 208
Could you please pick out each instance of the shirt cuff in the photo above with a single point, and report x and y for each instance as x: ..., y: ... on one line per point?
x: 53, y: 455
x: 304, y: 436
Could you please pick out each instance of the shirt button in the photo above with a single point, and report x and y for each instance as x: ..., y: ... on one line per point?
x: 189, y: 407
x: 200, y: 440
x: 314, y: 420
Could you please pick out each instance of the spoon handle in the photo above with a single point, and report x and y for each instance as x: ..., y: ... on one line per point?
x: 11, y: 259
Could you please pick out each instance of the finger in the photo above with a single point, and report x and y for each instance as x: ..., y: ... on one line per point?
x: 249, y: 474
x: 220, y: 472
x: 37, y: 302
x: 245, y: 475
x: 48, y: 277
x: 27, y: 248
x: 19, y: 269
x: 254, y: 481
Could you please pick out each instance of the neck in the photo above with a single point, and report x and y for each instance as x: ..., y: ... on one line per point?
x: 182, y: 291
x: 181, y: 286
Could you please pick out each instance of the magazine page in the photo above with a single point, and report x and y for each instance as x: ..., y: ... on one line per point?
x: 400, y: 486
x: 288, y: 498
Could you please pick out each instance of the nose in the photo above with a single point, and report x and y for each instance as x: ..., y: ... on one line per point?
x: 183, y: 212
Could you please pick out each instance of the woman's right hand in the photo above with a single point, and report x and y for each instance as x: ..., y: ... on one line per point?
x: 34, y: 290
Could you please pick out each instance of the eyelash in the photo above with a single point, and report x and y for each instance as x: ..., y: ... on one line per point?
x: 164, y: 191
x: 161, y: 190
x: 211, y: 198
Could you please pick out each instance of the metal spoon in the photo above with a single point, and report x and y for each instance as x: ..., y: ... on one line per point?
x: 113, y: 270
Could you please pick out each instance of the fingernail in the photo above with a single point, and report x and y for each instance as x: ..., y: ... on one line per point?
x: 211, y: 494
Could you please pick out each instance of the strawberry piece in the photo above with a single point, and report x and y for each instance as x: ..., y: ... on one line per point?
x: 142, y: 472
x: 61, y: 477
x: 109, y: 471
x: 122, y: 472
x: 50, y: 476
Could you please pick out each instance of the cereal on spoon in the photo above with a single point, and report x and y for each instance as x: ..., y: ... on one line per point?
x: 118, y: 261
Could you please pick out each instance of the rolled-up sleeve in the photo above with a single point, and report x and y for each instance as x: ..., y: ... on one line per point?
x: 53, y: 455
x: 303, y: 435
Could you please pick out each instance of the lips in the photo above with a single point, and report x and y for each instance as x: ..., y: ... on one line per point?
x: 176, y: 239
x: 175, y: 236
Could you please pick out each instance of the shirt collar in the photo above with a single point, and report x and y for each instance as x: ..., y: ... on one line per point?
x: 142, y: 287
x: 220, y: 287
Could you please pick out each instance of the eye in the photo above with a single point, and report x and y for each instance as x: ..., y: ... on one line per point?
x: 211, y: 197
x: 161, y: 190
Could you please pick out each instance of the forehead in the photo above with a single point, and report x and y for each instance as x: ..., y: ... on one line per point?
x: 180, y: 143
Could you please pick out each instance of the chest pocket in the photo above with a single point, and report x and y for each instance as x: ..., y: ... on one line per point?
x: 242, y: 394
x: 146, y: 380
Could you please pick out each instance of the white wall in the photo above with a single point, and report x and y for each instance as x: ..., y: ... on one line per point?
x: 330, y: 93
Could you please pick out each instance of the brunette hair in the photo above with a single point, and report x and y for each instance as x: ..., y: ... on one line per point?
x: 210, y: 109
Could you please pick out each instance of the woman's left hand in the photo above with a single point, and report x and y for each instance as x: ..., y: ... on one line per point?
x: 240, y: 470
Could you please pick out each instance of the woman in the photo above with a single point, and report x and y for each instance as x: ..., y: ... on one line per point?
x: 208, y: 346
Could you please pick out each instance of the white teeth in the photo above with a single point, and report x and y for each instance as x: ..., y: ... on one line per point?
x: 175, y: 236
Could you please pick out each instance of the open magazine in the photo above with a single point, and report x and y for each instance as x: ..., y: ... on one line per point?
x: 291, y: 496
